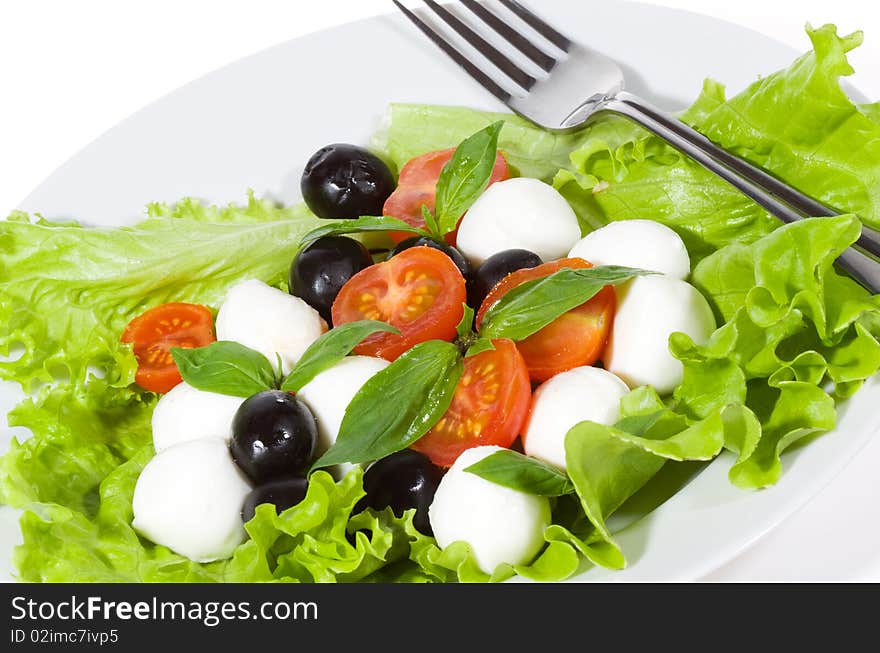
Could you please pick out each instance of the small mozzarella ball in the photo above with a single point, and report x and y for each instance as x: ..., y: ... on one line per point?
x: 642, y: 244
x: 578, y: 395
x: 649, y: 309
x: 189, y: 498
x: 185, y: 413
x: 519, y: 213
x: 500, y: 524
x: 330, y: 392
x: 268, y: 321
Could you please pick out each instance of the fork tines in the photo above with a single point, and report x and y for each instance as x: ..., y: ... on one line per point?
x: 501, y: 61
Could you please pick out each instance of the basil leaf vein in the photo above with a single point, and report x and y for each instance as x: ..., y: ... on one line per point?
x: 519, y: 472
x: 465, y: 327
x: 532, y: 305
x: 225, y: 367
x: 431, y: 222
x: 478, y: 346
x: 398, y: 405
x: 360, y: 225
x: 465, y: 176
x: 329, y: 349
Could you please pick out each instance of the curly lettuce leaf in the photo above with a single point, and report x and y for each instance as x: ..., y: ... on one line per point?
x: 797, y: 123
x: 791, y: 324
x: 318, y: 540
x: 79, y: 436
x: 61, y: 544
x: 314, y: 541
x: 562, y: 556
x: 67, y: 292
x: 800, y: 125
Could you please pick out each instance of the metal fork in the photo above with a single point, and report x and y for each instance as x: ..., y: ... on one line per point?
x: 581, y: 84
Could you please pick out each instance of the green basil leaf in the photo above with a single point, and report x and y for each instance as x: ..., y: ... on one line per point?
x: 226, y: 368
x: 465, y: 176
x: 431, y: 222
x: 519, y: 472
x: 398, y: 405
x: 329, y: 349
x: 479, y: 346
x: 534, y: 304
x: 360, y: 225
x: 465, y: 327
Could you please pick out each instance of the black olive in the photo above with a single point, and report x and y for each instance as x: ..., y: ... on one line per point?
x: 404, y: 480
x: 273, y: 435
x: 346, y: 181
x: 320, y: 270
x: 283, y: 493
x: 495, y: 268
x: 421, y: 241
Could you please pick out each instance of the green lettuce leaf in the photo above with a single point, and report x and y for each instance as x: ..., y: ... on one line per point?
x: 80, y: 435
x: 800, y: 125
x: 791, y: 323
x: 61, y: 544
x: 562, y: 556
x: 872, y: 111
x: 67, y: 292
x: 797, y: 123
x: 608, y: 465
x: 315, y: 541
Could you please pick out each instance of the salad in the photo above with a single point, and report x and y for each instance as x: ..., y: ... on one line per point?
x: 470, y: 345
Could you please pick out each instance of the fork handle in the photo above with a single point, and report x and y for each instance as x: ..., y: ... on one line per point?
x: 806, y: 205
x: 750, y: 181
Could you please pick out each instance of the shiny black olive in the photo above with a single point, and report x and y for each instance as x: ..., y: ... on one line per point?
x: 320, y: 270
x: 403, y: 480
x: 495, y: 268
x: 346, y: 181
x: 421, y: 241
x: 283, y: 493
x: 273, y: 435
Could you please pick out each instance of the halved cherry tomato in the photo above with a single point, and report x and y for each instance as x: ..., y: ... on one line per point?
x: 490, y: 405
x: 417, y: 184
x: 154, y: 333
x: 419, y: 291
x: 571, y: 340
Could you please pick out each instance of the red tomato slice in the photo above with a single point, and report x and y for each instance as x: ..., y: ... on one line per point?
x: 490, y: 406
x: 574, y: 339
x: 417, y: 184
x: 154, y: 333
x: 419, y: 291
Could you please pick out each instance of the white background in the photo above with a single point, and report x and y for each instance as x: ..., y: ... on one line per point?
x: 70, y: 70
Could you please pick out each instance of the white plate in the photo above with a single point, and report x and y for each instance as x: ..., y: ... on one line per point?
x: 253, y: 124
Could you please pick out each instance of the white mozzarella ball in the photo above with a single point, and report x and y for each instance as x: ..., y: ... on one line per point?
x: 519, y: 213
x: 642, y: 244
x: 269, y: 321
x: 185, y: 413
x: 649, y: 310
x: 500, y: 524
x: 578, y: 395
x: 330, y: 392
x: 189, y: 498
